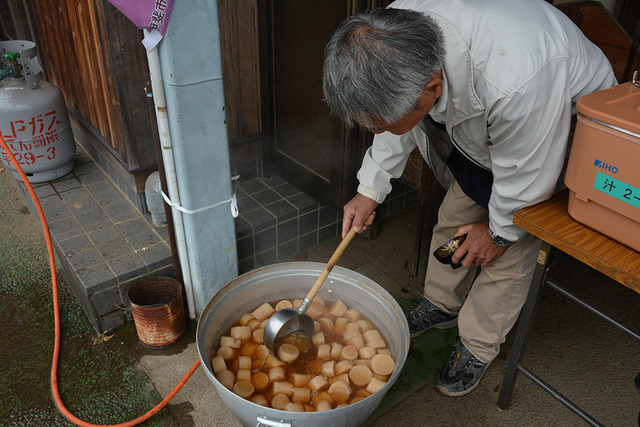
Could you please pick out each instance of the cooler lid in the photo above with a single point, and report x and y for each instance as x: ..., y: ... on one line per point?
x: 617, y: 106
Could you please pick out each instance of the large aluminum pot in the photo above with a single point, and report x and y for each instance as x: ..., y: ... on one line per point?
x: 293, y: 280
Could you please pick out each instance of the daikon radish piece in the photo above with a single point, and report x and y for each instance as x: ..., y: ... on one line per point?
x: 322, y: 397
x: 352, y: 314
x: 377, y: 344
x: 339, y: 325
x: 309, y: 408
x: 366, y: 352
x: 317, y: 327
x: 318, y: 383
x: 384, y: 351
x: 336, y: 349
x: 372, y: 335
x: 326, y: 324
x: 257, y: 363
x: 259, y: 399
x: 260, y: 381
x: 288, y: 353
x: 276, y: 374
x: 382, y: 364
x: 262, y: 351
x: 218, y: 364
x: 384, y: 378
x: 300, y: 380
x: 341, y: 377
x: 263, y: 312
x: 254, y: 325
x: 258, y: 336
x: 356, y: 399
x: 342, y: 405
x: 279, y: 401
x: 226, y: 378
x: 315, y: 311
x: 364, y: 325
x: 328, y: 368
x: 244, y: 362
x: 318, y: 339
x: 245, y: 319
x: 283, y: 387
x: 360, y: 375
x: 324, y: 406
x: 240, y: 332
x: 340, y: 391
x: 263, y: 324
x: 349, y: 352
x: 294, y: 407
x: 297, y: 302
x: 375, y: 385
x: 347, y: 334
x: 227, y: 353
x: 248, y: 349
x: 320, y: 301
x: 301, y: 394
x: 363, y: 362
x: 229, y: 342
x: 273, y: 362
x: 351, y: 327
x: 356, y: 341
x: 324, y: 351
x: 338, y: 308
x: 343, y: 366
x: 285, y: 303
x: 362, y: 393
x: 243, y: 375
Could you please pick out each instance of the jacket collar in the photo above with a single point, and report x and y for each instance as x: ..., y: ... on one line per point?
x: 462, y: 100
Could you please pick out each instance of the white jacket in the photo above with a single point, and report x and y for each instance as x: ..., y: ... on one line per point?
x: 513, y: 71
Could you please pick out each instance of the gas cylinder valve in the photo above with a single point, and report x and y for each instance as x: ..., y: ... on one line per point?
x: 10, y: 65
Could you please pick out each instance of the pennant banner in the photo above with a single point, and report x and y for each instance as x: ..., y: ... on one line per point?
x: 150, y: 15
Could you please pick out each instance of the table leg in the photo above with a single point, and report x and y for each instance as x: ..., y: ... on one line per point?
x: 526, y: 324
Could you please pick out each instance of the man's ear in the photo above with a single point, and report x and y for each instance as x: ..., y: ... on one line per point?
x: 432, y: 91
x: 435, y: 85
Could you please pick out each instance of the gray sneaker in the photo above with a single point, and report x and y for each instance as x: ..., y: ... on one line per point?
x: 423, y: 316
x: 462, y: 372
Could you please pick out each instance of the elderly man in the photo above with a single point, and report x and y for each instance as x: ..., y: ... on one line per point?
x: 486, y: 91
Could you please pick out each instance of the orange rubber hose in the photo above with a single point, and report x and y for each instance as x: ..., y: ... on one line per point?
x: 56, y: 311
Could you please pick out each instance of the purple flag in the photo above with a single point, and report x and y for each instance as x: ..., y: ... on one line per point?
x: 150, y: 15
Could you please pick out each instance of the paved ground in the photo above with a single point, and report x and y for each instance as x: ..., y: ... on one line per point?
x: 117, y: 379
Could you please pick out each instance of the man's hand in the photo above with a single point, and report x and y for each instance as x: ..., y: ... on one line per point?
x: 478, y: 246
x: 355, y: 213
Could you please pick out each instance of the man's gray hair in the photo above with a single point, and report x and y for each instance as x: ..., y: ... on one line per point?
x: 377, y: 64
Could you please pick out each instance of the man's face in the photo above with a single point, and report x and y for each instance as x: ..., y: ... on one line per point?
x: 430, y: 95
x: 403, y: 125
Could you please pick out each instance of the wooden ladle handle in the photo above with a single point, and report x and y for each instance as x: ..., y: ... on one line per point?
x: 332, y: 262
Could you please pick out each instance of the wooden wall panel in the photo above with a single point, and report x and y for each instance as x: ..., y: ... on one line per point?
x: 72, y: 52
x: 240, y: 67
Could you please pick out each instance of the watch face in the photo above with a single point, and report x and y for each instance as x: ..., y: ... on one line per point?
x: 499, y: 241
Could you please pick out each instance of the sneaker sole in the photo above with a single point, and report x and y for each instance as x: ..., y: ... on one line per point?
x: 450, y: 393
x: 442, y: 325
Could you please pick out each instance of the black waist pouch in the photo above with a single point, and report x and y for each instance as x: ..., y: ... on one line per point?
x: 475, y: 181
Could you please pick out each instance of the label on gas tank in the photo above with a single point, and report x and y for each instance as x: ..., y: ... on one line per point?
x: 618, y: 189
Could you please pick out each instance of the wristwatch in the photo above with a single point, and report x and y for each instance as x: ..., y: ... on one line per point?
x: 497, y: 240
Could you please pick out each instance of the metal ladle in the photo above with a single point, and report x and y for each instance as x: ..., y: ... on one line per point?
x: 288, y: 321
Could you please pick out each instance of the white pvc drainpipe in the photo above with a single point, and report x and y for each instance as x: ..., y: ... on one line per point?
x: 170, y: 173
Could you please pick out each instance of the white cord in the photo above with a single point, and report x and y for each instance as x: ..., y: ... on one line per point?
x: 233, y: 202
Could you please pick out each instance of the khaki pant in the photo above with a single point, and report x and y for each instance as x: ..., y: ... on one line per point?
x: 487, y: 305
